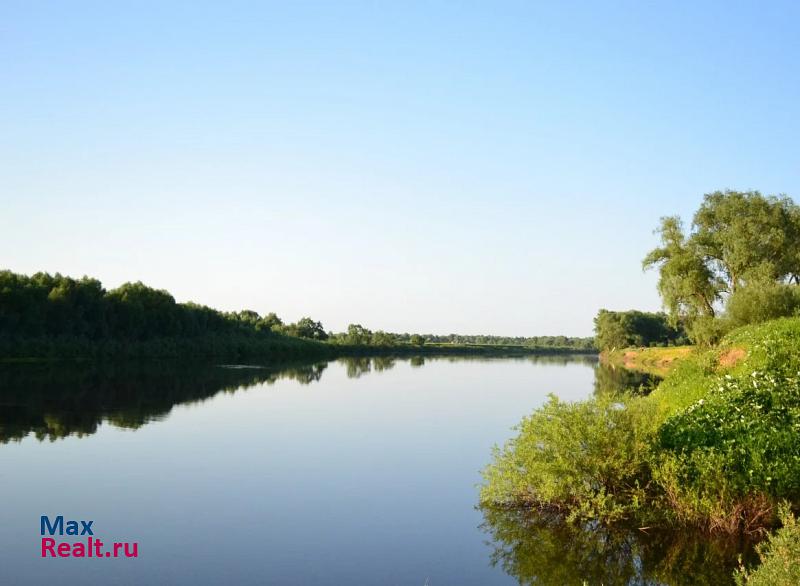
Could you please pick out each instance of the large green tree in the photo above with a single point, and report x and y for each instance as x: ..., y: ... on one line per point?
x: 745, y: 236
x: 737, y: 239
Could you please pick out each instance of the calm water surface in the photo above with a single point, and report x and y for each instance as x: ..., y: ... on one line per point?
x: 352, y: 472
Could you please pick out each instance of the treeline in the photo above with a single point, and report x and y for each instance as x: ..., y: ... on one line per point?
x: 577, y: 343
x: 55, y: 316
x: 358, y: 335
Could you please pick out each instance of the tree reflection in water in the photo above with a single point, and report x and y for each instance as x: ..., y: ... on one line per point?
x: 540, y: 548
x: 56, y: 400
x: 611, y: 379
x: 53, y: 400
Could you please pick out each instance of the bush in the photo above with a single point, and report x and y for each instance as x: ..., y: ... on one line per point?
x: 757, y: 303
x: 584, y: 458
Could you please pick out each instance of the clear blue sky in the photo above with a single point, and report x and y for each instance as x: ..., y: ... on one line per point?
x: 440, y: 167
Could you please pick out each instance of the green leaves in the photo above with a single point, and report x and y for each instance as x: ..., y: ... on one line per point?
x: 739, y: 240
x: 621, y: 329
x: 686, y: 282
x: 779, y: 556
x: 744, y: 431
x: 586, y: 458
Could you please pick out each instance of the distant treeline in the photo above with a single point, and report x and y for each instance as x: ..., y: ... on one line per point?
x: 620, y: 329
x: 55, y: 316
x: 357, y: 334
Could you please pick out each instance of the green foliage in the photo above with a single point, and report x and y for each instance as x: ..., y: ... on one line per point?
x: 780, y: 557
x: 743, y: 247
x: 358, y: 335
x: 417, y: 340
x: 761, y: 301
x: 586, y: 458
x: 707, y: 330
x: 537, y: 548
x: 621, y: 329
x: 716, y: 444
x: 381, y: 338
x: 543, y: 342
x: 52, y: 316
x: 740, y: 440
x: 688, y: 286
x: 745, y: 235
x: 269, y: 322
x: 728, y: 447
x: 305, y: 328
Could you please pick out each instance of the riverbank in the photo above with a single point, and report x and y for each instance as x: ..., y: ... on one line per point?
x: 713, y: 448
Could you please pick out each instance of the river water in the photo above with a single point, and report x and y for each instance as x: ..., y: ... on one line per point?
x: 358, y: 471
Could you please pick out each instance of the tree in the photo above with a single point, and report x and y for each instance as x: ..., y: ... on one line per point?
x: 744, y: 236
x: 417, y: 340
x: 358, y: 335
x: 688, y: 286
x: 743, y: 249
x: 381, y: 338
x: 270, y: 322
x: 308, y: 328
x: 248, y: 316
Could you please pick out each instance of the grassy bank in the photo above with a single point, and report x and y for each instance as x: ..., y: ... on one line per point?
x: 714, y: 447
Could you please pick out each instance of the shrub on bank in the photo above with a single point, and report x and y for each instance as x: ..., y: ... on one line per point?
x: 586, y: 459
